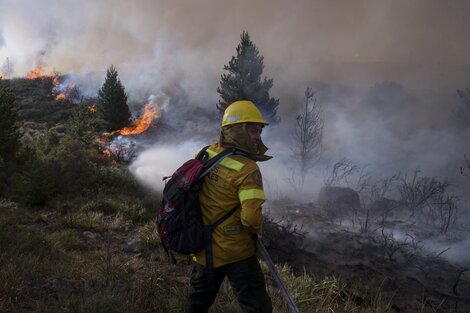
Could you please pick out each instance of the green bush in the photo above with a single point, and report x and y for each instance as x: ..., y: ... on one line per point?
x: 33, y: 184
x: 117, y: 179
x: 62, y: 170
x: 72, y: 170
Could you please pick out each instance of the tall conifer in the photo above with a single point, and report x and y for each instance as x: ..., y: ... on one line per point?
x: 243, y: 80
x: 111, y: 105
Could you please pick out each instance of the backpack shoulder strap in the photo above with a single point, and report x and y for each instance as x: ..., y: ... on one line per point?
x: 224, y: 217
x: 208, y: 229
x: 202, y: 154
x: 211, y: 163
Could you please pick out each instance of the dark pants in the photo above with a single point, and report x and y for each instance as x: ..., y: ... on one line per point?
x: 246, y: 279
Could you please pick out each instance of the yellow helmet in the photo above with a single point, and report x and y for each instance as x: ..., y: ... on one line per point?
x: 242, y: 111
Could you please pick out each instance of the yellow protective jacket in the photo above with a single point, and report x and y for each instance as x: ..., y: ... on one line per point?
x: 235, y: 181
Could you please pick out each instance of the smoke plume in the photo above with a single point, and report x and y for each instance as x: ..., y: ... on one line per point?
x: 386, y: 73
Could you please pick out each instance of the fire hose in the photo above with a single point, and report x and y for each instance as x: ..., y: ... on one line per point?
x: 280, y: 283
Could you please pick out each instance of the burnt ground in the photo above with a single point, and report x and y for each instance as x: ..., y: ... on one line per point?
x: 372, y: 264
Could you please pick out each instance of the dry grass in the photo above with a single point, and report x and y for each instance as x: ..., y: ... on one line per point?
x: 68, y: 260
x: 327, y: 295
x: 74, y: 262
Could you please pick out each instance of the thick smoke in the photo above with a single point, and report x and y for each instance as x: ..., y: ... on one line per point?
x: 384, y: 72
x: 155, y: 163
x: 346, y: 51
x: 155, y: 42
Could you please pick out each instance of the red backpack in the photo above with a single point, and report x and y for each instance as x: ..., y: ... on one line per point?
x: 179, y: 217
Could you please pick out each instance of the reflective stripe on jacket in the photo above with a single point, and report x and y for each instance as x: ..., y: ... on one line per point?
x: 235, y: 181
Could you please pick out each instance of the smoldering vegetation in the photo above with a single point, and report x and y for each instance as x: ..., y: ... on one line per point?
x: 394, y: 232
x: 388, y: 200
x: 385, y: 204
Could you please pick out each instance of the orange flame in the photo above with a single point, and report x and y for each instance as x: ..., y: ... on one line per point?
x: 37, y: 73
x: 56, y: 80
x: 140, y: 125
x: 61, y: 96
x: 64, y: 94
x: 107, y: 153
x: 92, y: 108
x: 143, y: 123
x: 102, y: 140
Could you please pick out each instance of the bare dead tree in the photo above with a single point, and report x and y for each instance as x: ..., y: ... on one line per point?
x: 415, y: 194
x: 390, y: 244
x: 373, y: 192
x: 365, y: 223
x: 409, y: 247
x: 385, y: 186
x: 308, y: 133
x: 341, y: 171
x: 443, y: 211
x: 413, y: 249
x: 363, y: 181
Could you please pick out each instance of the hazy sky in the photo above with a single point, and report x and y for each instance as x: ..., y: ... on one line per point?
x: 423, y: 45
x: 420, y: 43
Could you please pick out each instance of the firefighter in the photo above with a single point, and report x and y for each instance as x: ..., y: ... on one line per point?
x: 235, y: 182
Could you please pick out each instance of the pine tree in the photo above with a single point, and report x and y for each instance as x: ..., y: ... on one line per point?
x: 9, y: 128
x: 111, y: 105
x: 243, y: 81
